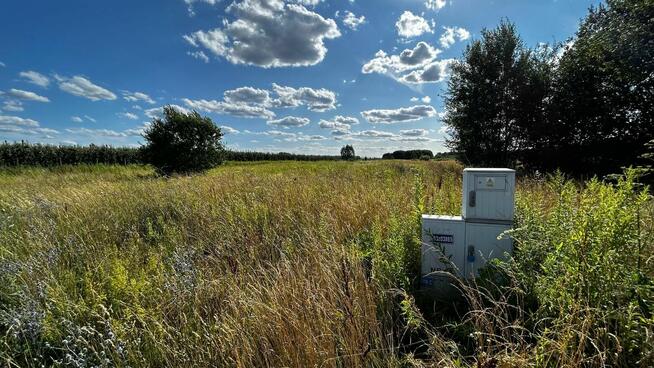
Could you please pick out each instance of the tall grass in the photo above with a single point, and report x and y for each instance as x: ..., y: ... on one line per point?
x: 290, y: 264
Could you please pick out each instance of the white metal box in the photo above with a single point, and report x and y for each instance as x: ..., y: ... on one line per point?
x: 453, y: 246
x: 443, y: 250
x: 482, y: 244
x: 488, y: 194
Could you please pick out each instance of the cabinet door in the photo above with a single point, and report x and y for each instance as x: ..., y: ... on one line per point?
x: 493, y: 197
x: 482, y: 245
x: 442, y: 247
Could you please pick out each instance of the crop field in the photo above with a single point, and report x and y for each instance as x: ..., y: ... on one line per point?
x: 313, y: 264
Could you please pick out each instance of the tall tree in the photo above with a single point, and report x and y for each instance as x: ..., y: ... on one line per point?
x: 603, y: 105
x: 496, y: 97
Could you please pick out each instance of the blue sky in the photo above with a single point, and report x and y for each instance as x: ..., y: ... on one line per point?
x: 304, y: 76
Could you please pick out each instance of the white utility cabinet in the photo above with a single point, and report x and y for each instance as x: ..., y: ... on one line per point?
x: 460, y: 246
x: 488, y: 194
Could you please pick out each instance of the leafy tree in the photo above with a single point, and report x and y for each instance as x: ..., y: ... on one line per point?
x: 182, y: 143
x: 496, y: 97
x: 347, y: 152
x: 604, y: 90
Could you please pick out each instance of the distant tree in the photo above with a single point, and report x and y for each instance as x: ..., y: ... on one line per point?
x: 496, y: 97
x: 182, y: 143
x: 347, y: 152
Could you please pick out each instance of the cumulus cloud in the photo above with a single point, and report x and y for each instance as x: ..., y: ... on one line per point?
x: 437, y: 71
x: 414, y: 132
x: 434, y: 4
x: 234, y: 109
x: 157, y: 112
x: 26, y: 95
x: 13, y: 106
x: 351, y: 21
x: 289, y: 121
x: 453, y: 34
x: 415, y: 66
x: 341, y: 123
x: 403, y: 114
x: 76, y: 119
x: 17, y: 121
x: 190, y: 3
x: 82, y: 87
x: 228, y: 130
x: 269, y: 33
x: 247, y: 95
x: 411, y: 25
x: 137, y: 96
x: 128, y: 115
x: 35, y: 78
x: 200, y: 55
x: 315, y: 99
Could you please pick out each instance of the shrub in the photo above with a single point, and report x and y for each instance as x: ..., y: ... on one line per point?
x: 183, y: 143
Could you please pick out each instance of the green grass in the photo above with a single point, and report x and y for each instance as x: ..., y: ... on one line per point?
x: 299, y: 264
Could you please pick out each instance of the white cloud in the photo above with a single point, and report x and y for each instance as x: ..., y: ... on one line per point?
x: 453, y: 34
x: 248, y: 95
x: 404, y: 114
x: 35, y: 78
x: 417, y: 65
x: 76, y: 119
x: 97, y: 132
x: 234, y: 109
x: 434, y: 4
x: 289, y: 121
x: 228, y: 130
x: 137, y: 96
x: 315, y: 99
x: 13, y: 105
x: 351, y: 21
x: 17, y: 121
x: 82, y: 87
x: 426, y: 99
x: 269, y: 33
x: 411, y: 25
x: 414, y: 132
x: 157, y: 112
x: 435, y: 72
x: 89, y: 118
x: 128, y: 115
x: 340, y: 123
x: 26, y: 95
x: 189, y: 3
x: 200, y: 55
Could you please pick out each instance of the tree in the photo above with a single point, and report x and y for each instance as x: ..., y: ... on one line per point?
x: 347, y: 152
x: 603, y: 105
x: 496, y: 97
x: 182, y: 143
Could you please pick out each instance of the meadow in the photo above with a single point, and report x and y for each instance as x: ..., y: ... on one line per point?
x: 312, y: 264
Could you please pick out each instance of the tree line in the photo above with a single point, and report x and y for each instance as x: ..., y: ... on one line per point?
x: 26, y: 154
x: 585, y: 106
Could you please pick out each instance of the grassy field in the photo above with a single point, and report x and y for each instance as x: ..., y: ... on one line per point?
x: 289, y: 264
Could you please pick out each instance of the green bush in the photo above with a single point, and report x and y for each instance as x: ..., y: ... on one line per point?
x: 582, y: 254
x: 183, y: 143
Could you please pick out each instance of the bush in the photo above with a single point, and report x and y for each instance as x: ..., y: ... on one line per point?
x: 183, y: 143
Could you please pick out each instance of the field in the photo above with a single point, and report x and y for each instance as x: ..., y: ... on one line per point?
x: 314, y: 264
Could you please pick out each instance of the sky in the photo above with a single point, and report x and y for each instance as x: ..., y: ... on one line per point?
x: 301, y: 76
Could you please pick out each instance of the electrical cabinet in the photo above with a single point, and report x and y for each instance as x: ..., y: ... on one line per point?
x: 459, y: 246
x: 442, y: 250
x: 482, y: 244
x: 488, y: 195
